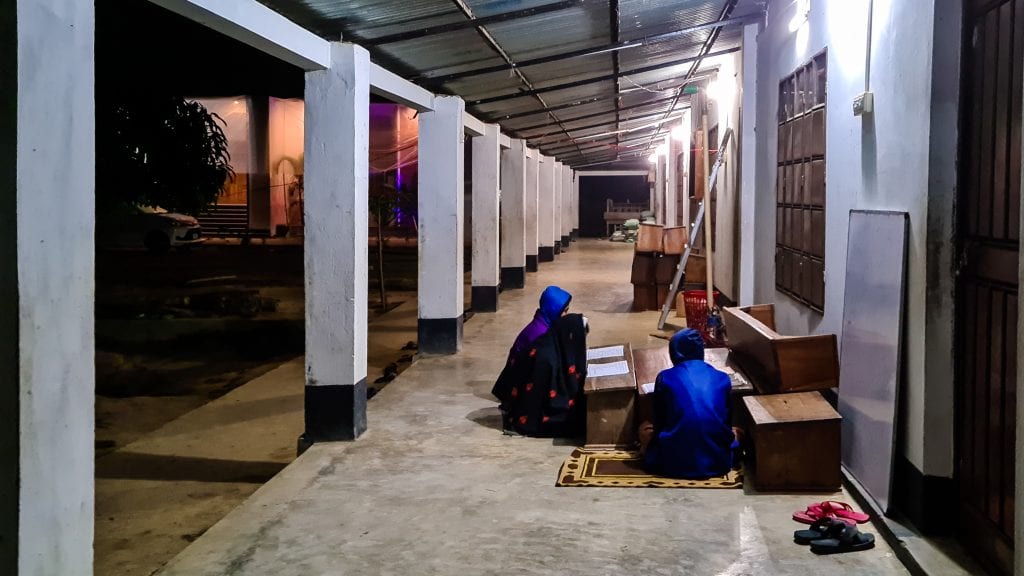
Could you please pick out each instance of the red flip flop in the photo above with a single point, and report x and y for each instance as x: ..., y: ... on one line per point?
x: 804, y: 518
x: 813, y: 513
x: 843, y: 511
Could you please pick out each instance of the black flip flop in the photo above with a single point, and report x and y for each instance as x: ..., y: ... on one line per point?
x: 849, y: 539
x: 821, y: 529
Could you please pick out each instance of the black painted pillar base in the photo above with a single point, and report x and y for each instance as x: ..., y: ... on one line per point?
x: 546, y: 254
x: 532, y: 263
x: 575, y: 234
x: 485, y: 298
x: 565, y: 242
x: 439, y: 335
x: 558, y: 247
x: 334, y: 413
x: 511, y: 278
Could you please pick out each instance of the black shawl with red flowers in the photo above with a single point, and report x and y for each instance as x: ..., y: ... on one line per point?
x: 541, y: 387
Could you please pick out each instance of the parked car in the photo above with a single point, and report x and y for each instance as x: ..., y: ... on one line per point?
x: 153, y: 228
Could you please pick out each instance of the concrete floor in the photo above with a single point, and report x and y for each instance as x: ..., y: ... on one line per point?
x: 435, y: 488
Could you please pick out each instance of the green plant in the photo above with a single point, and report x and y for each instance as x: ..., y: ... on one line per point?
x: 159, y: 151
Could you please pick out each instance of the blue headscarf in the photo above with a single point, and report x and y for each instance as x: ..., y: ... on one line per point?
x: 686, y: 344
x: 553, y: 301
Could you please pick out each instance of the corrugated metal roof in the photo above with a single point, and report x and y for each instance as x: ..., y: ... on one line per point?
x: 563, y: 95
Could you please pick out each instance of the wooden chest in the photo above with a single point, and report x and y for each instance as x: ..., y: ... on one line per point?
x: 611, y: 403
x: 795, y: 440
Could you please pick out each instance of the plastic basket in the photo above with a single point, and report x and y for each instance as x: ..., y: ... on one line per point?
x: 696, y: 304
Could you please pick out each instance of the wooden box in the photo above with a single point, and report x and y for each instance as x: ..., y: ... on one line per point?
x: 665, y: 269
x: 649, y: 239
x: 611, y: 405
x: 696, y: 269
x: 778, y: 363
x: 795, y: 439
x: 643, y: 269
x: 645, y: 297
x: 674, y: 240
x: 662, y: 296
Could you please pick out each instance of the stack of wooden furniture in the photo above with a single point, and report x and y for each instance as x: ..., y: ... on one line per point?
x: 794, y: 431
x: 655, y: 260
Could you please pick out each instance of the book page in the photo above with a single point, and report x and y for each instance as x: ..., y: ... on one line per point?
x: 609, y: 369
x: 606, y: 352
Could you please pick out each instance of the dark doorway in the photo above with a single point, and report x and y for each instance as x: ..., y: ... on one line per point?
x: 595, y: 191
x: 988, y: 233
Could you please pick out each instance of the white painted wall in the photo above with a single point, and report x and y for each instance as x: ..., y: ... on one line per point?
x: 531, y: 199
x: 748, y: 164
x: 513, y: 205
x: 337, y: 144
x: 55, y: 171
x: 441, y: 204
x: 878, y: 162
x: 486, y: 164
x: 727, y: 204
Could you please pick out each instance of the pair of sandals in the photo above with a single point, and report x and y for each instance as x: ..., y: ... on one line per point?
x: 834, y: 536
x: 833, y: 528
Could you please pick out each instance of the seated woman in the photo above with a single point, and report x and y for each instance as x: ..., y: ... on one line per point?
x: 690, y: 436
x: 541, y: 386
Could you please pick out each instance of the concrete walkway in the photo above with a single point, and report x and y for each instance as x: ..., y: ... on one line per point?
x: 435, y: 488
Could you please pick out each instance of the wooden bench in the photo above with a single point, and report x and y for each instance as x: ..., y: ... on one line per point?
x: 777, y: 363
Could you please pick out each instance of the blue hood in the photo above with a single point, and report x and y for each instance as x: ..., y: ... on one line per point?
x: 553, y: 301
x: 686, y: 345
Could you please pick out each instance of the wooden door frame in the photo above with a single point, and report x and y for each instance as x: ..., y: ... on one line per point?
x: 964, y: 121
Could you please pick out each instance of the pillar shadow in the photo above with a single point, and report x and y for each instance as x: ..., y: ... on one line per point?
x: 138, y: 466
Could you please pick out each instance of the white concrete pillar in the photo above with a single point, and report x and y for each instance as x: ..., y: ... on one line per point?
x: 47, y: 255
x: 531, y: 223
x: 567, y: 218
x: 671, y: 179
x: 565, y: 189
x: 337, y: 141
x: 575, y: 205
x: 545, y: 210
x: 441, y: 206
x: 486, y: 167
x: 659, y: 190
x: 748, y: 166
x: 513, y: 212
x: 683, y: 197
x: 556, y: 208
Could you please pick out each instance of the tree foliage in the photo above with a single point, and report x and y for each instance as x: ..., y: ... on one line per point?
x: 159, y: 151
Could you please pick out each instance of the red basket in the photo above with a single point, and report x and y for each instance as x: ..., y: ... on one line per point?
x: 696, y: 302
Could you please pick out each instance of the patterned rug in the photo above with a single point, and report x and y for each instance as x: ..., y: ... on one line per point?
x: 610, y: 467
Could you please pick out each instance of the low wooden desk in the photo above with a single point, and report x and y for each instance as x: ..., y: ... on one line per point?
x: 650, y: 361
x: 610, y: 403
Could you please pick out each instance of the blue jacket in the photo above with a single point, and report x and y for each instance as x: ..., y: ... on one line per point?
x: 693, y: 437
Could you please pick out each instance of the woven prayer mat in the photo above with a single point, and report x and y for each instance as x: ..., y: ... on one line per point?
x: 610, y: 467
